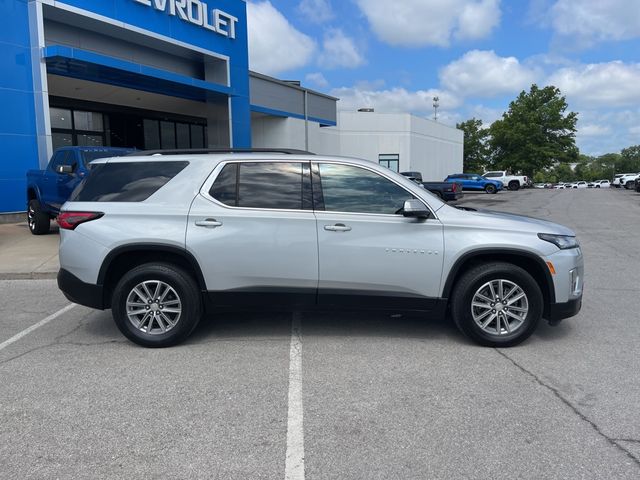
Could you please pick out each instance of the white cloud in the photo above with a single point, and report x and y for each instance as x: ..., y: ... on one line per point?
x: 274, y: 44
x: 485, y: 74
x: 395, y: 100
x: 339, y: 50
x: 430, y: 22
x: 593, y: 130
x: 612, y: 84
x: 316, y: 11
x: 317, y: 79
x: 591, y: 21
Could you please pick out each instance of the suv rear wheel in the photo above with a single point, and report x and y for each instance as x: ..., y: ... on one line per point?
x: 156, y: 305
x: 497, y: 304
x: 39, y: 222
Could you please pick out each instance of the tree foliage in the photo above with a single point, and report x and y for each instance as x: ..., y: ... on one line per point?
x: 476, y: 149
x: 535, y: 133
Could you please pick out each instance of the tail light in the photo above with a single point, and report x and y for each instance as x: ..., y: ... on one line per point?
x: 70, y: 220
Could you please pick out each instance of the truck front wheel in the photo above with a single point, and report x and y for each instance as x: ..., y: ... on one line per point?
x: 514, y: 185
x: 39, y: 222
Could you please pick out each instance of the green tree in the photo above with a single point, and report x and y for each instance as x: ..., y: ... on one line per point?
x: 476, y: 149
x: 629, y: 160
x: 535, y: 133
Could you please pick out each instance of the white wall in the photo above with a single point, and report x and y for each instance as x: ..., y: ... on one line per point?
x: 426, y: 146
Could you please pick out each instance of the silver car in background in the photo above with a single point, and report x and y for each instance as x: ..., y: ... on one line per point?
x: 163, y: 238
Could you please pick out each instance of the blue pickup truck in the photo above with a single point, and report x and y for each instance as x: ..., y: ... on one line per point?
x: 48, y: 189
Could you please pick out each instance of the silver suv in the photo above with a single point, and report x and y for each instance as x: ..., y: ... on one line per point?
x: 163, y: 238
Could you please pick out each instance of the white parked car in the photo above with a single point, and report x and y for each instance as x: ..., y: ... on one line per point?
x: 580, y: 184
x: 629, y: 181
x: 620, y: 179
x: 512, y: 182
x: 601, y: 184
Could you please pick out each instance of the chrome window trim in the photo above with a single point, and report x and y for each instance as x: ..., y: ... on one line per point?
x: 208, y: 183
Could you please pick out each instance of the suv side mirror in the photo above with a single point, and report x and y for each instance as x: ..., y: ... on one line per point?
x: 415, y: 209
x: 65, y: 169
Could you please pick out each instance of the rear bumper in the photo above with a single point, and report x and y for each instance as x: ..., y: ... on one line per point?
x: 560, y: 311
x: 79, y: 292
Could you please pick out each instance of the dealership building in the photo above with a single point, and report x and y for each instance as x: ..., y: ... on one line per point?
x: 163, y: 74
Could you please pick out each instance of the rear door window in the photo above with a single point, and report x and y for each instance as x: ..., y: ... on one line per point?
x: 126, y: 182
x: 268, y: 185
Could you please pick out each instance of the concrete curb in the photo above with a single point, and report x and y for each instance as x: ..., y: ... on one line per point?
x: 16, y: 217
x: 29, y: 276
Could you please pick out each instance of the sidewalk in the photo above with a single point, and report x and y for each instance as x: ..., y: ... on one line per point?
x: 26, y: 256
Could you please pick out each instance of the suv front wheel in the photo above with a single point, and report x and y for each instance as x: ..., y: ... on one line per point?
x: 156, y: 305
x: 497, y: 304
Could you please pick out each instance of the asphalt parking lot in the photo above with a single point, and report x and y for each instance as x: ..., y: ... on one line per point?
x: 341, y: 395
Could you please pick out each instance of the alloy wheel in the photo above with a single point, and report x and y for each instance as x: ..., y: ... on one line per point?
x: 153, y: 307
x: 500, y: 307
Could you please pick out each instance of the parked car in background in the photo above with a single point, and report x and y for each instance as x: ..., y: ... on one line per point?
x: 512, y: 182
x: 299, y: 231
x: 629, y: 181
x: 475, y: 182
x: 617, y: 179
x: 48, y: 189
x: 580, y: 184
x: 445, y: 190
x: 602, y: 184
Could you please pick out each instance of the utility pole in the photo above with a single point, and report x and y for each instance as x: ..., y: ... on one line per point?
x: 436, y: 104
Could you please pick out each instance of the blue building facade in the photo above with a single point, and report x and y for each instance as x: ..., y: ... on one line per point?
x: 137, y: 73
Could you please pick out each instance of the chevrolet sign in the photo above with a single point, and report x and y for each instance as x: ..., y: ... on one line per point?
x: 198, y: 13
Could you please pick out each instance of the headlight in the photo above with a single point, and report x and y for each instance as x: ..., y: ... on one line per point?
x: 563, y: 242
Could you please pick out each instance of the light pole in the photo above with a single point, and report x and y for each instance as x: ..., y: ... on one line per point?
x: 436, y: 104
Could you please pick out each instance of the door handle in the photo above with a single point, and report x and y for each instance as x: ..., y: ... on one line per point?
x: 338, y: 227
x: 209, y: 223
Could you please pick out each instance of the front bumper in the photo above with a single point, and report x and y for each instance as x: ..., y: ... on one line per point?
x: 559, y: 311
x: 79, y: 292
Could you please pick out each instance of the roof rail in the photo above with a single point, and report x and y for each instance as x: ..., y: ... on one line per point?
x: 187, y: 151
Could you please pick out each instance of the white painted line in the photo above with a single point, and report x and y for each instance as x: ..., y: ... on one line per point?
x: 294, y: 466
x: 42, y: 322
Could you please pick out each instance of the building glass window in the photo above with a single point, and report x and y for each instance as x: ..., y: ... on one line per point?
x: 182, y: 135
x: 168, y: 135
x: 61, y: 140
x: 69, y: 128
x: 391, y: 161
x: 60, y: 118
x: 151, y: 134
x: 197, y: 136
x: 88, y: 121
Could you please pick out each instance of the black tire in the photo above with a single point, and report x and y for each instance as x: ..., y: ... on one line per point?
x: 490, y: 188
x: 472, y: 281
x: 630, y: 185
x: 186, y: 291
x: 514, y: 185
x: 38, y: 221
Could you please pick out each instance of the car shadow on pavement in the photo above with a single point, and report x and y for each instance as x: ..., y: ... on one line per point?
x: 320, y: 323
x: 230, y: 326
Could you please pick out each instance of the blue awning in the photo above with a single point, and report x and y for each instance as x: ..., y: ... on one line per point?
x: 95, y: 67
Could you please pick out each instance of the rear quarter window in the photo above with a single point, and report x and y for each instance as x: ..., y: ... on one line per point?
x: 125, y: 182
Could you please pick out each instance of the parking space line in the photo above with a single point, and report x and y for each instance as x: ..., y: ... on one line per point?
x: 42, y: 322
x: 294, y: 466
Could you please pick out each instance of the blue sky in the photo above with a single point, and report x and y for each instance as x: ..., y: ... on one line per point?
x: 475, y: 55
